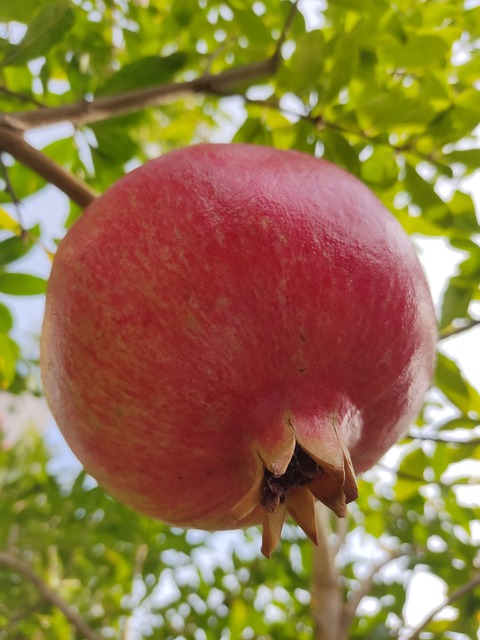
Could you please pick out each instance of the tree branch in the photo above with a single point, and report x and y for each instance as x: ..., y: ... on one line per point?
x: 13, y: 143
x: 22, y: 568
x: 453, y: 597
x: 286, y: 28
x: 82, y: 113
x: 85, y: 112
x: 326, y: 600
x: 13, y: 124
x: 450, y: 331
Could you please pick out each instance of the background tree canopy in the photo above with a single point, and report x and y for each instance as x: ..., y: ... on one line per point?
x: 388, y: 90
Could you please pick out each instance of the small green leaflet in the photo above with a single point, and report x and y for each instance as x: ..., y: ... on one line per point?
x: 8, y: 358
x: 21, y: 284
x: 143, y: 73
x: 48, y: 27
x: 6, y: 319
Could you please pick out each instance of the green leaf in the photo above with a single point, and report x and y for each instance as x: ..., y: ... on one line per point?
x: 380, y: 169
x: 26, y: 183
x: 6, y: 318
x: 8, y: 359
x: 19, y: 11
x: 391, y: 109
x: 410, y: 476
x: 439, y: 460
x: 21, y: 284
x: 340, y: 151
x: 468, y: 104
x: 424, y: 195
x: 355, y: 5
x: 450, y: 381
x: 254, y: 132
x: 345, y: 62
x: 470, y: 158
x: 251, y: 26
x: 414, y: 463
x: 469, y: 72
x: 146, y: 72
x: 456, y: 301
x: 305, y: 69
x: 114, y: 144
x: 48, y: 27
x: 459, y: 423
x: 14, y: 248
x: 462, y: 208
x: 62, y: 151
x: 435, y: 87
x: 433, y: 48
x: 419, y: 224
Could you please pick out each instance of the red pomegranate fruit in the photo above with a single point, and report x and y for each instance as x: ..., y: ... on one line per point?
x: 231, y: 333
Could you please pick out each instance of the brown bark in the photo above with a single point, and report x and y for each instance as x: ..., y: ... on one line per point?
x: 326, y: 592
x: 13, y: 143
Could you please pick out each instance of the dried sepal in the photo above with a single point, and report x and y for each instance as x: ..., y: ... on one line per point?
x: 276, y: 459
x: 308, y: 476
x: 250, y: 500
x: 300, y: 504
x: 272, y: 528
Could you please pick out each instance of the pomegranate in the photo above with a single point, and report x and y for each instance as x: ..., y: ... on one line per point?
x: 231, y: 333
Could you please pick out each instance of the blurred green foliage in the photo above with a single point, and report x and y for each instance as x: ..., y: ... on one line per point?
x: 387, y: 90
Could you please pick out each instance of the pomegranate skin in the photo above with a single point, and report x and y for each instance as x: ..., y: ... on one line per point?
x: 220, y: 306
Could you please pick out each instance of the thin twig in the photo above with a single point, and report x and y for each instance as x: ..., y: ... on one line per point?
x: 16, y: 618
x: 13, y: 143
x: 9, y: 190
x: 350, y: 609
x: 75, y: 619
x: 455, y: 331
x: 413, y: 478
x: 321, y: 123
x: 440, y: 440
x: 137, y: 568
x: 21, y: 97
x: 401, y: 474
x: 453, y: 597
x: 286, y: 28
